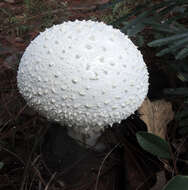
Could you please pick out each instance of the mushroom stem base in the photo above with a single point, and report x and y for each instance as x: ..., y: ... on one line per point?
x: 88, y: 140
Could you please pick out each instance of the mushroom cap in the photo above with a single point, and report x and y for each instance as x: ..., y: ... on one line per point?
x: 83, y: 74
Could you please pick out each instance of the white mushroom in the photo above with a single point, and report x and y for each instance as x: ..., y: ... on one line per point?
x: 83, y: 74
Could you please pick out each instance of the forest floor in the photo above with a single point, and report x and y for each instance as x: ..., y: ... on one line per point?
x: 28, y: 160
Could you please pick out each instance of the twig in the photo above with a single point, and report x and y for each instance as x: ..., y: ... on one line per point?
x: 47, y: 186
x: 39, y: 175
x: 12, y: 153
x: 102, y: 164
x: 28, y: 164
x: 21, y: 111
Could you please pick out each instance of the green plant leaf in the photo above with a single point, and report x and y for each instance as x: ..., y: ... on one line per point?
x: 153, y: 144
x: 183, y: 123
x: 134, y: 30
x: 177, y: 91
x: 135, y: 21
x: 186, y: 101
x: 164, y: 29
x: 181, y: 115
x: 139, y: 41
x: 177, y: 45
x: 183, y: 53
x: 108, y: 5
x: 1, y: 165
x: 167, y: 40
x: 183, y: 131
x: 163, y: 52
x: 126, y: 16
x: 176, y: 183
x: 183, y: 76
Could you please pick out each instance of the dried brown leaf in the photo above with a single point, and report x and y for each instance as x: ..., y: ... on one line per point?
x: 156, y: 115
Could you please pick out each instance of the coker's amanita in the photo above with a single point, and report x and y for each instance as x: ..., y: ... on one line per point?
x: 85, y: 75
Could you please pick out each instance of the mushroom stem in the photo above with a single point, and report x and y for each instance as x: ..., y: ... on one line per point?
x: 89, y: 139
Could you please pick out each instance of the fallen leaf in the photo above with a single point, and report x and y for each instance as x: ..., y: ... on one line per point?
x: 156, y: 115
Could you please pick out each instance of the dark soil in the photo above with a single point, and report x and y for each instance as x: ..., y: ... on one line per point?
x: 127, y: 160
